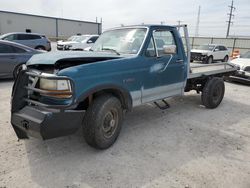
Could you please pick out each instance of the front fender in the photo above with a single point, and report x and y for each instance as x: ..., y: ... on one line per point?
x: 123, y: 94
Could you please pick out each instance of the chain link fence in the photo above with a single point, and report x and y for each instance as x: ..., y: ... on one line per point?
x: 241, y: 44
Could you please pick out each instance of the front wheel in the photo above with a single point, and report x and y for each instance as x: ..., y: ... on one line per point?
x: 213, y: 93
x: 102, y: 122
x: 17, y: 70
x: 210, y: 60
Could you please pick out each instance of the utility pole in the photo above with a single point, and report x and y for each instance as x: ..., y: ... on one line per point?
x: 231, y: 15
x: 179, y: 22
x: 198, y: 23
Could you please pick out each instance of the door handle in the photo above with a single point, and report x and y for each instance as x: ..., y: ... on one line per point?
x: 179, y: 61
x: 166, y: 65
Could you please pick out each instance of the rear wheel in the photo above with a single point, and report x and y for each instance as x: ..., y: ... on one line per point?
x: 40, y: 48
x: 213, y: 92
x: 102, y: 121
x: 225, y: 59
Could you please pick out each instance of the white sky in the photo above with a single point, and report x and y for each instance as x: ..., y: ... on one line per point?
x: 116, y: 12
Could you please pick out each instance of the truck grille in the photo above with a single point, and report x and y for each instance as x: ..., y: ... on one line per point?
x: 25, y: 91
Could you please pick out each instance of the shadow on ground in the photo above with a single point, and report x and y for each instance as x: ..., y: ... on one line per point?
x: 152, y: 143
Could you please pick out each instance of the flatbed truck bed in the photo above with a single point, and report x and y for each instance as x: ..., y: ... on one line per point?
x: 201, y: 70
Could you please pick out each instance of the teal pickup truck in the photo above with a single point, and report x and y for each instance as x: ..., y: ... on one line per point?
x: 57, y: 93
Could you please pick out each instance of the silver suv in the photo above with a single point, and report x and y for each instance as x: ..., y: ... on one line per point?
x: 33, y: 40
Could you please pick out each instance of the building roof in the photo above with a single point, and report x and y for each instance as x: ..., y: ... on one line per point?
x: 24, y: 14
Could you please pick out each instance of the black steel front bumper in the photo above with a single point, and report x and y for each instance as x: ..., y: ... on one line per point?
x: 33, y: 118
x: 43, y: 123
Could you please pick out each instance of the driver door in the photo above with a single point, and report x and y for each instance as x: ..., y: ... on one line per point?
x: 165, y: 75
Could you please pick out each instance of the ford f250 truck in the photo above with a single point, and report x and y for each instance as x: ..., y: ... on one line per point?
x: 57, y: 93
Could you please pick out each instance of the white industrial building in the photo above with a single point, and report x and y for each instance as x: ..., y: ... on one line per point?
x: 49, y: 26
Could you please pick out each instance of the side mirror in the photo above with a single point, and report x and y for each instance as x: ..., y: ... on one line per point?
x: 169, y: 49
x: 216, y: 49
x: 90, y: 41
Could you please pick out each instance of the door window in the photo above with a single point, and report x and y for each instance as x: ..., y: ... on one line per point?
x: 6, y: 49
x: 10, y: 37
x: 163, y: 38
x: 217, y: 49
x: 150, y: 52
x: 222, y: 48
x: 28, y: 37
x: 18, y: 50
x: 92, y: 39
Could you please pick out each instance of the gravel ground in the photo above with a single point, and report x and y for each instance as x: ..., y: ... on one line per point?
x: 184, y: 146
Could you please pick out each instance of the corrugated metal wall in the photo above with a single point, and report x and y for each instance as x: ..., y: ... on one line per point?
x: 51, y: 27
x: 231, y: 43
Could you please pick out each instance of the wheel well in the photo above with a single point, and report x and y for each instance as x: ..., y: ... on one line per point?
x: 40, y: 46
x: 124, y: 98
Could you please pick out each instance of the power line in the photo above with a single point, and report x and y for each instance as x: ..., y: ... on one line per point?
x: 231, y: 15
x: 198, y: 22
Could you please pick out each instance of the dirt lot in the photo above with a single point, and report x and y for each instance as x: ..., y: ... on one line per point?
x: 184, y: 146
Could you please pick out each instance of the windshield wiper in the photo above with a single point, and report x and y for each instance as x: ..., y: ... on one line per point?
x: 112, y: 50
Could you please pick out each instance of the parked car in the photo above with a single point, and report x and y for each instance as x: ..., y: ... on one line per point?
x: 209, y: 53
x: 12, y: 56
x: 33, y: 40
x: 61, y: 43
x: 243, y: 65
x: 126, y: 67
x: 77, y: 42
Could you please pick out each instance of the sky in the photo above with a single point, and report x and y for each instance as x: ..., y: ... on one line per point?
x: 213, y: 15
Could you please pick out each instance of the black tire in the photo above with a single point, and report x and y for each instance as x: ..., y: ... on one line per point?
x: 103, y: 121
x: 210, y: 60
x: 17, y: 70
x: 40, y: 48
x: 226, y: 58
x: 213, y: 93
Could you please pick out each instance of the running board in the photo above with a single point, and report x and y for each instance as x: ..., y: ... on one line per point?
x: 164, y: 106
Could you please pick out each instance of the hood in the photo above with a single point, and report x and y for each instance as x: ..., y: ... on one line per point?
x: 242, y: 62
x: 81, y: 57
x: 200, y: 51
x: 66, y: 42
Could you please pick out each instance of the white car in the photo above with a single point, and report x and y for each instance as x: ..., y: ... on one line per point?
x: 77, y: 42
x: 243, y: 65
x: 209, y: 53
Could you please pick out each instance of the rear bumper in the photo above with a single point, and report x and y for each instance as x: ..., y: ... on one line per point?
x: 44, y: 123
x: 241, y: 76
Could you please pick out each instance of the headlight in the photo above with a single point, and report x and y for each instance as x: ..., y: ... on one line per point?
x: 56, y: 88
x: 66, y: 47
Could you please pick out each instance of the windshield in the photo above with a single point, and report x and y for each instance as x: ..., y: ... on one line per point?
x: 71, y: 38
x: 246, y: 55
x: 121, y: 41
x: 79, y: 38
x: 206, y: 47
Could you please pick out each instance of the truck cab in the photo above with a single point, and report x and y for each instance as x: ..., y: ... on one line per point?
x: 57, y: 93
